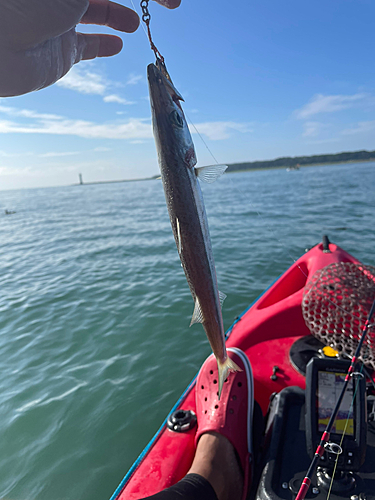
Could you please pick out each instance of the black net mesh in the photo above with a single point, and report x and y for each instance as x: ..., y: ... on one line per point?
x: 335, y: 306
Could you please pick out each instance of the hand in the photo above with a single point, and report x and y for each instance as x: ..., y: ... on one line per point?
x: 39, y: 43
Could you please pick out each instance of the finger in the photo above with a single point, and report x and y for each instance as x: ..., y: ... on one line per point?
x: 114, y: 15
x: 170, y: 4
x: 92, y: 46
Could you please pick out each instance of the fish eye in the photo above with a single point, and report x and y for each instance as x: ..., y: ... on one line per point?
x: 176, y: 119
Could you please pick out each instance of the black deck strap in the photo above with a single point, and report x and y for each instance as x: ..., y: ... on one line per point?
x: 191, y: 487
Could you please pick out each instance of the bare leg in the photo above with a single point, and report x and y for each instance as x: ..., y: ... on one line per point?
x: 216, y: 460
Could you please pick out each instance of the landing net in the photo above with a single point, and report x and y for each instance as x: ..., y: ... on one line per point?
x: 335, y: 306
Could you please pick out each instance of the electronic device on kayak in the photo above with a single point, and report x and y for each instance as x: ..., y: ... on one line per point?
x: 346, y: 448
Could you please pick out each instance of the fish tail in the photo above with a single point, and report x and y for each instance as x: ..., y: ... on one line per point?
x: 227, y: 366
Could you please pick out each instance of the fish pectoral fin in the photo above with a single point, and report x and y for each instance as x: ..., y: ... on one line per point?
x: 197, y: 314
x: 210, y: 173
x: 222, y: 297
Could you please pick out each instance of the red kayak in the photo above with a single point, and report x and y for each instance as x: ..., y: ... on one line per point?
x: 274, y: 335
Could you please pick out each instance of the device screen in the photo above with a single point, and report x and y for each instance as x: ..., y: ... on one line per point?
x: 329, y: 389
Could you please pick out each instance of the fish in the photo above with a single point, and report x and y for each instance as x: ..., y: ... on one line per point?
x: 179, y: 173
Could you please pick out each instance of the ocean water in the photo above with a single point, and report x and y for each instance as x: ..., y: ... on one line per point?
x: 95, y: 344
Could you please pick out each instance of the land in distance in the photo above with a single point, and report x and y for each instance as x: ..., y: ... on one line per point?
x: 292, y: 162
x: 304, y: 161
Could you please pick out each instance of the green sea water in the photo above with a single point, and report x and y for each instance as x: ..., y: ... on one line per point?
x: 95, y: 344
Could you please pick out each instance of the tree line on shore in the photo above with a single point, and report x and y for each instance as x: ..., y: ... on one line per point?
x: 300, y: 161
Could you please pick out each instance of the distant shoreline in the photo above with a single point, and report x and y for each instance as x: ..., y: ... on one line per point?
x: 296, y: 162
x: 233, y: 170
x: 154, y: 177
x: 250, y: 169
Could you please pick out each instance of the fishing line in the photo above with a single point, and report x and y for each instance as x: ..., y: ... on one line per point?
x: 273, y: 234
x: 204, y: 142
x: 144, y: 29
x: 305, y: 274
x: 267, y: 226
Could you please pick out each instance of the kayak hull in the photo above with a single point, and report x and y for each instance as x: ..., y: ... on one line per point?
x: 266, y: 331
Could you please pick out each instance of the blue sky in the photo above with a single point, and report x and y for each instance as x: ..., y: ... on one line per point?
x: 260, y: 80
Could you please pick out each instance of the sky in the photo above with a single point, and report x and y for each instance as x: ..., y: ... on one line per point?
x: 260, y: 80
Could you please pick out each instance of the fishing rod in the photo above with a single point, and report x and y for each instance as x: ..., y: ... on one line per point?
x: 326, y: 434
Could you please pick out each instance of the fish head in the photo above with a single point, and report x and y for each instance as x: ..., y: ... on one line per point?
x: 171, y: 131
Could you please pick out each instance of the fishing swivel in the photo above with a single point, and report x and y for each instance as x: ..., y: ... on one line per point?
x: 146, y: 18
x: 146, y: 15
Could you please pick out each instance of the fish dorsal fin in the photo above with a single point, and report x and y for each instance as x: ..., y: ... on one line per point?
x: 197, y: 314
x: 179, y: 246
x: 222, y: 297
x: 210, y: 173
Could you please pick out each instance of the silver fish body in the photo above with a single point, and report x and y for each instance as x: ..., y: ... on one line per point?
x: 177, y: 160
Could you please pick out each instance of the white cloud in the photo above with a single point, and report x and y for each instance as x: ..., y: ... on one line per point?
x: 84, y: 81
x: 20, y: 171
x: 5, y: 154
x: 41, y: 123
x: 329, y: 104
x: 31, y: 171
x: 217, y: 131
x: 361, y: 128
x: 324, y: 141
x: 134, y: 79
x: 53, y: 154
x: 312, y: 129
x: 27, y: 113
x: 117, y: 99
x: 133, y: 128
